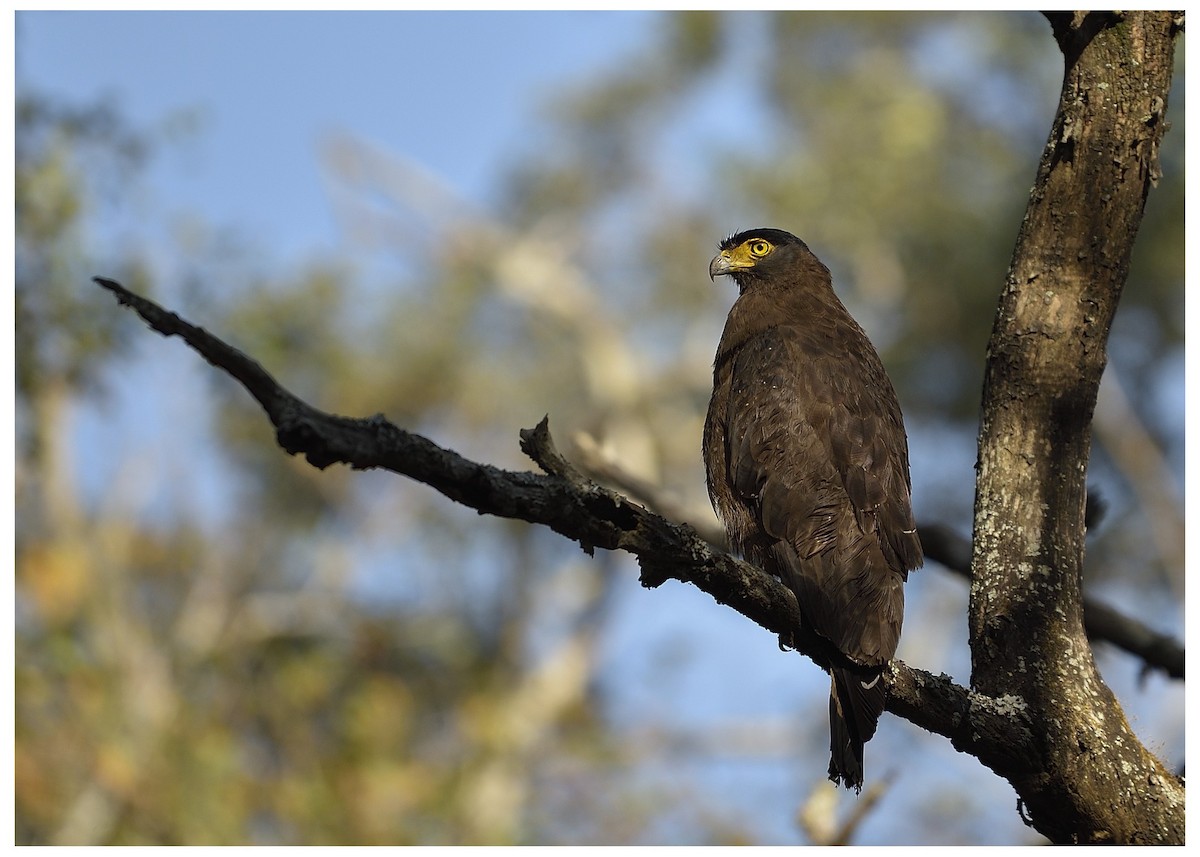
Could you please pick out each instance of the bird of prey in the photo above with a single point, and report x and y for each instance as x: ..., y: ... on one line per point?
x: 807, y: 466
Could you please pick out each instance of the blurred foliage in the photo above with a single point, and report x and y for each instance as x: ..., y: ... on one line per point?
x: 59, y: 149
x: 347, y: 658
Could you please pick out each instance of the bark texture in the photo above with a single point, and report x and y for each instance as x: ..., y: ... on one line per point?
x: 1094, y: 782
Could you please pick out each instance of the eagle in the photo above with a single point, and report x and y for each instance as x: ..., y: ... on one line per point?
x: 807, y: 466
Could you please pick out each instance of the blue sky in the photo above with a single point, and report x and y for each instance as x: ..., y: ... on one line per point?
x: 456, y: 92
x: 246, y: 101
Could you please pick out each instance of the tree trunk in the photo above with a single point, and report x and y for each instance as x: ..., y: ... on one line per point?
x: 1095, y: 781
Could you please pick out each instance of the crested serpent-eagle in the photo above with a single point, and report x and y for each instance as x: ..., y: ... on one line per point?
x: 807, y: 466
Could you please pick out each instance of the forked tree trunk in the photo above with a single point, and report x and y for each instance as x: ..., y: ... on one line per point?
x: 1096, y: 782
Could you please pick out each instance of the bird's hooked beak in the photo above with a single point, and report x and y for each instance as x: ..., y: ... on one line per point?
x: 721, y: 265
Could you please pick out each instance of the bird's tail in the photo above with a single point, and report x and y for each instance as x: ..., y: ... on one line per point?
x: 856, y: 700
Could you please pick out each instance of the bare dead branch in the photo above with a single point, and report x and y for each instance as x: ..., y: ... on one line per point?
x: 995, y: 731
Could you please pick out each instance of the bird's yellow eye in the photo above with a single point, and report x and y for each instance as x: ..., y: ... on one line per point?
x: 760, y: 248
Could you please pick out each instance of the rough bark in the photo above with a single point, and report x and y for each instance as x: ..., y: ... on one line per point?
x: 1094, y: 781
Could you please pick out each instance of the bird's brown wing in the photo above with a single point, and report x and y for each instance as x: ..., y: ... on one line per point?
x: 816, y: 455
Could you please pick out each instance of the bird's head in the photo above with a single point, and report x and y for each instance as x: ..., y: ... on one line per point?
x: 760, y: 254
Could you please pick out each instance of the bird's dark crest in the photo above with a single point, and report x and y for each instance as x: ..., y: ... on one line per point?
x: 775, y: 236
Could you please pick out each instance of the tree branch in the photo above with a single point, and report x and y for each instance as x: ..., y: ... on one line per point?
x: 997, y: 732
x: 1100, y: 621
x: 939, y: 542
